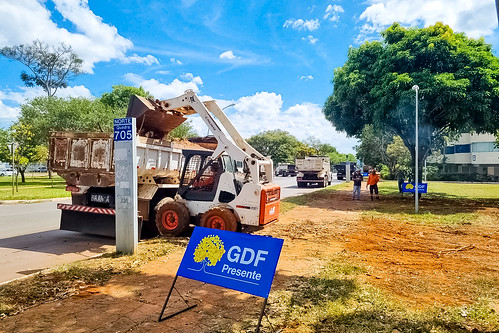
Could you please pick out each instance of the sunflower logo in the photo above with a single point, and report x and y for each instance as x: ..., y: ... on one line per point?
x: 209, y: 251
x: 409, y: 186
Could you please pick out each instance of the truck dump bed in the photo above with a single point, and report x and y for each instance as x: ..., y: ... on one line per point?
x: 313, y: 163
x: 87, y: 158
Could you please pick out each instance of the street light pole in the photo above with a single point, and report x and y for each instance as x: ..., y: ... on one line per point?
x: 416, y: 88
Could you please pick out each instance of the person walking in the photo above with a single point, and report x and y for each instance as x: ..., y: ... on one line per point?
x: 357, y: 184
x: 400, y: 179
x: 372, y: 181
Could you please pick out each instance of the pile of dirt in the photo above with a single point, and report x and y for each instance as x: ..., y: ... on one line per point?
x: 422, y: 265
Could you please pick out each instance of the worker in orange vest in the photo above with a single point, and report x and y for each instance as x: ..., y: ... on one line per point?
x: 372, y: 181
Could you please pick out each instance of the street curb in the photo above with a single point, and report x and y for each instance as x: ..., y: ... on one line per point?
x: 47, y: 270
x: 13, y: 202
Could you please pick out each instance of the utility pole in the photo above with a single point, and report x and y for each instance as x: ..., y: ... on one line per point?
x: 416, y: 184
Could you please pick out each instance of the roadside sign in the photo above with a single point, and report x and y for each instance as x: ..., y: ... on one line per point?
x: 123, y: 129
x: 365, y: 174
x: 232, y: 260
x: 126, y: 202
x: 409, y: 188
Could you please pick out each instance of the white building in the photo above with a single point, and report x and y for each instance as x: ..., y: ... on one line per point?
x: 472, y: 154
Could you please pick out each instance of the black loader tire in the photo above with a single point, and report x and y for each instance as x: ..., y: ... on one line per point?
x: 172, y: 218
x: 219, y: 218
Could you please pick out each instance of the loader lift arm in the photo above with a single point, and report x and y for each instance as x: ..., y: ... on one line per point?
x: 237, y: 148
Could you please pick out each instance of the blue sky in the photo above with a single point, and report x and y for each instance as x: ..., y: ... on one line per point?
x: 273, y: 59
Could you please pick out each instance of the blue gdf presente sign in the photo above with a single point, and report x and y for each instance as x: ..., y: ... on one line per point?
x: 123, y: 129
x: 232, y: 260
x: 409, y: 188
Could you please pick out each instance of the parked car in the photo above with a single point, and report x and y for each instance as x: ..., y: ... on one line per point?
x: 41, y: 169
x: 6, y: 172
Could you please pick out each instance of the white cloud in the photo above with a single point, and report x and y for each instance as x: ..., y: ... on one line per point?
x: 307, y: 77
x: 229, y: 55
x: 26, y: 20
x: 301, y: 25
x: 136, y: 59
x: 333, y: 12
x: 476, y: 18
x: 8, y: 112
x: 311, y: 39
x: 15, y: 98
x: 166, y: 90
x: 175, y: 61
x: 189, y: 77
x: 263, y: 112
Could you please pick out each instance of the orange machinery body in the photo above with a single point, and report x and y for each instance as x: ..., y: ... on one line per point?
x: 270, y: 200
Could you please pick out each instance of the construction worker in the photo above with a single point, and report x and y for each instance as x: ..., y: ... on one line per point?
x: 372, y: 181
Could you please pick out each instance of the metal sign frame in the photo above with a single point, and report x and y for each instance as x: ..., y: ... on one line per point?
x: 233, y: 260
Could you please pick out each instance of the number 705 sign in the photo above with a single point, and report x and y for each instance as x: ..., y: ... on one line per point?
x: 123, y: 129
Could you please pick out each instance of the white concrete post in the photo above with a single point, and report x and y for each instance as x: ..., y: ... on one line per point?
x: 125, y: 159
x: 416, y: 185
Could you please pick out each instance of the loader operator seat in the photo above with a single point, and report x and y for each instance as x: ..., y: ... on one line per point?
x: 200, y: 177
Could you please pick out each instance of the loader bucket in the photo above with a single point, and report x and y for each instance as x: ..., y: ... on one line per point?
x: 154, y: 120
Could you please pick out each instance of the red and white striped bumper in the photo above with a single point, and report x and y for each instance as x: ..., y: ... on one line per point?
x: 86, y: 209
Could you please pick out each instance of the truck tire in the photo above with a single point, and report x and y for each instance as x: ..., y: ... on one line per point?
x: 219, y: 218
x: 172, y: 218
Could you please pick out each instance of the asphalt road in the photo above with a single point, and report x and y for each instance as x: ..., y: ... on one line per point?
x: 289, y: 187
x: 30, y: 239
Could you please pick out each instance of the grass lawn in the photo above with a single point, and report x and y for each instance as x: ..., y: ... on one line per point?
x: 475, y: 191
x: 35, y: 187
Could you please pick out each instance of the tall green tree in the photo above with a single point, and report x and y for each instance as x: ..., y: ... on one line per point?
x: 372, y: 147
x: 398, y: 157
x: 119, y: 97
x: 27, y: 150
x: 320, y: 147
x: 183, y: 131
x: 305, y: 149
x: 458, y: 79
x: 281, y: 146
x: 47, y: 114
x: 5, y: 139
x: 50, y: 67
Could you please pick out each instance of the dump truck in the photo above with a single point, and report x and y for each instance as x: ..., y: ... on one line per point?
x: 341, y: 169
x: 179, y: 184
x: 313, y: 170
x: 285, y: 169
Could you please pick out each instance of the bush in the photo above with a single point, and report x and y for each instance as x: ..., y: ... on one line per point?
x: 385, y: 173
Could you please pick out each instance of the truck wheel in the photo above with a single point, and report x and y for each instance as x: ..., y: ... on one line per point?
x: 172, y: 218
x: 219, y: 218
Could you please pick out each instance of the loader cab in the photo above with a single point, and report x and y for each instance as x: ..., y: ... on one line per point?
x: 204, y: 179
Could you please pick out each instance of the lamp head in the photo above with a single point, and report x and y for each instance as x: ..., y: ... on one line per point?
x: 415, y: 87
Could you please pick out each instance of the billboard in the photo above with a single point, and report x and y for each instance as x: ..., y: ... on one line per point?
x: 409, y: 188
x: 232, y: 260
